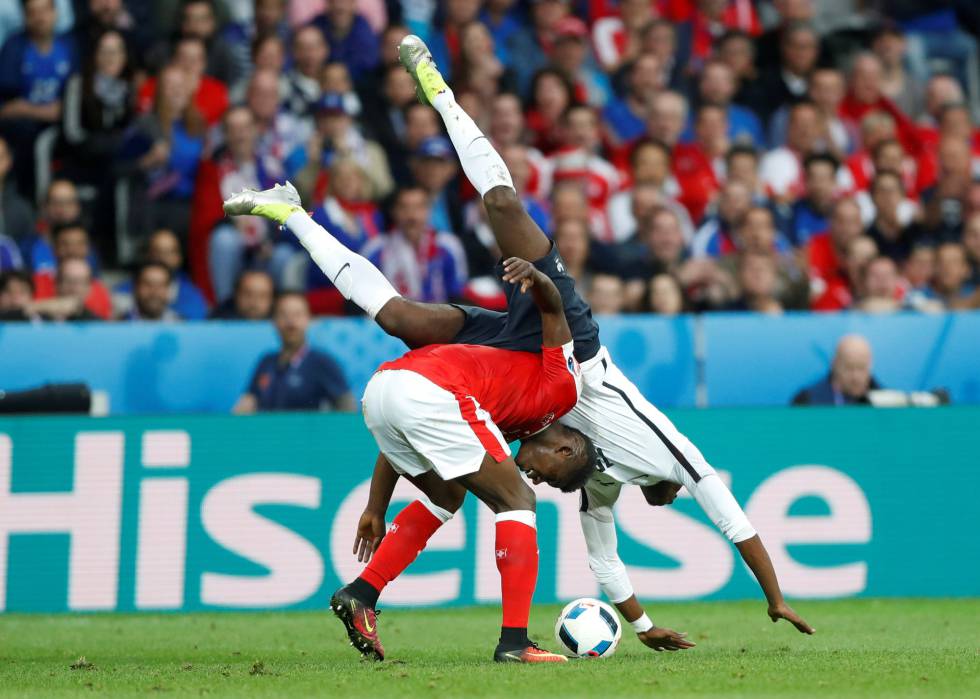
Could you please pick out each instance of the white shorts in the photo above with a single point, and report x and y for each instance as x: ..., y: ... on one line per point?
x: 421, y: 427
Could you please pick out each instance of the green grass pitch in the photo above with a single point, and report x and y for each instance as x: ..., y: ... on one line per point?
x: 863, y: 648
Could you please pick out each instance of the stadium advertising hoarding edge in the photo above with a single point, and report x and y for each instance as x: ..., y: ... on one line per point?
x: 190, y: 513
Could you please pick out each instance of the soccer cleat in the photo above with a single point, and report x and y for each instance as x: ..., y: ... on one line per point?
x: 414, y: 55
x: 361, y: 622
x: 528, y: 654
x: 276, y: 204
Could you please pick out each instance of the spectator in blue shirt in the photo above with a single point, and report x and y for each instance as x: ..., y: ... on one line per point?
x: 350, y: 37
x: 626, y: 117
x: 34, y: 66
x: 811, y: 213
x: 16, y: 216
x: 296, y: 377
x: 717, y: 86
x: 186, y: 300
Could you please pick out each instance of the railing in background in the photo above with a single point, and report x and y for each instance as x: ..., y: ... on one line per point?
x: 717, y: 360
x: 214, y: 512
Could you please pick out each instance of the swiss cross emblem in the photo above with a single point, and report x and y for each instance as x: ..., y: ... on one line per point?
x: 501, y: 553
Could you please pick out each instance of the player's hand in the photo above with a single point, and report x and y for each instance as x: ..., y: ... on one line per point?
x: 784, y: 611
x: 370, y: 531
x: 664, y: 639
x: 660, y: 494
x: 518, y: 271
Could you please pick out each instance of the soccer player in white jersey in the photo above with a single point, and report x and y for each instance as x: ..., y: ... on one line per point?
x: 638, y: 445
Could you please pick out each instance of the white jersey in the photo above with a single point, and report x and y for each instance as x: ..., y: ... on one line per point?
x: 637, y: 445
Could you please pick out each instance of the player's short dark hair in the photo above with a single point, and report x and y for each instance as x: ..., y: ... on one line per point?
x: 590, y: 465
x: 19, y: 275
x: 820, y: 157
x: 147, y: 265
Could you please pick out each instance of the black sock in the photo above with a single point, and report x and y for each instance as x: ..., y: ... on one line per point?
x: 364, y: 592
x: 514, y: 637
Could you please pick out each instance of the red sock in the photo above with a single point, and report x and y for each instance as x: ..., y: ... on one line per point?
x: 517, y: 561
x: 408, y: 535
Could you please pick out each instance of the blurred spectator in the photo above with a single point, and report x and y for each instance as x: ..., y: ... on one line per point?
x: 827, y: 254
x: 208, y: 94
x: 781, y: 169
x: 296, y: 377
x: 944, y: 203
x: 880, y: 288
x: 918, y: 272
x: 301, y: 84
x: 756, y: 276
x: 699, y: 166
x: 166, y: 145
x: 717, y: 235
x: 151, y: 294
x: 198, y: 21
x: 351, y: 39
x: 665, y: 296
x: 9, y: 254
x: 787, y: 82
x: 736, y: 50
x: 186, y: 300
x: 893, y: 239
x: 335, y: 77
x: 668, y: 116
x: 434, y: 167
x: 34, y: 66
x: 570, y: 54
x: 423, y: 264
x: 811, y: 212
x: 530, y: 53
x: 717, y: 86
x: 572, y: 239
x: 73, y: 285
x: 849, y: 380
x: 16, y: 296
x: 618, y: 38
x: 71, y: 240
x: 337, y: 137
x: 268, y: 19
x: 659, y: 38
x: 480, y: 72
x: 742, y: 165
x: 952, y: 282
x: 826, y: 90
x: 626, y: 117
x: 235, y: 243
x: 282, y: 137
x: 16, y: 217
x: 61, y: 206
x: 971, y: 243
x: 897, y: 83
x: 578, y: 161
x: 650, y: 162
x: 606, y: 294
x: 252, y: 300
x: 550, y: 97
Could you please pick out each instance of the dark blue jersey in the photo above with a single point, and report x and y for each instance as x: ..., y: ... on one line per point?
x: 310, y: 381
x: 520, y: 327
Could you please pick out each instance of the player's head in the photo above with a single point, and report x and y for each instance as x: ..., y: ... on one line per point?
x: 560, y: 456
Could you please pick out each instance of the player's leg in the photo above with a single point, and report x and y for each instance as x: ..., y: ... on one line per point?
x: 499, y: 485
x: 408, y: 535
x: 417, y: 324
x: 516, y: 233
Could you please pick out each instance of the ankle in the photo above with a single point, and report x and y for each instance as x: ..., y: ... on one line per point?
x: 512, y: 637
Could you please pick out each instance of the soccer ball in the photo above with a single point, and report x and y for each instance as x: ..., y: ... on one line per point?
x: 588, y: 628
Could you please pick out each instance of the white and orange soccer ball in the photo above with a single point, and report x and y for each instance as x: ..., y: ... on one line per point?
x: 588, y: 628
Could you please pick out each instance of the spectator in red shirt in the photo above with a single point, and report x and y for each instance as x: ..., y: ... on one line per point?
x: 827, y: 254
x: 71, y: 241
x: 619, y: 39
x: 507, y: 130
x: 699, y: 166
x: 551, y: 96
x: 210, y: 95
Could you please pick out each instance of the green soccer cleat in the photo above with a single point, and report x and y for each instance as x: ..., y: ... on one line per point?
x: 414, y: 55
x: 276, y: 204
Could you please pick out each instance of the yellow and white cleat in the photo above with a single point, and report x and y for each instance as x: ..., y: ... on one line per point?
x: 415, y: 57
x: 275, y: 204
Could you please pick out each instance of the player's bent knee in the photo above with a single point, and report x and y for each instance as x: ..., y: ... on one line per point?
x: 502, y: 199
x: 520, y: 497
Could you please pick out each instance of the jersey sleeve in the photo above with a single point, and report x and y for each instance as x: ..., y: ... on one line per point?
x: 561, y: 368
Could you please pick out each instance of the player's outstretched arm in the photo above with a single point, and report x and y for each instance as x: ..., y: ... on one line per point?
x: 757, y: 559
x: 371, y: 526
x: 554, y: 326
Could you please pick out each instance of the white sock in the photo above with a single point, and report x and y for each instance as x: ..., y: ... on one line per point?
x: 356, y: 278
x: 482, y: 164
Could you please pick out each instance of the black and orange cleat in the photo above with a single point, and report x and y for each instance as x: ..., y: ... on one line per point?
x: 528, y: 654
x: 361, y: 622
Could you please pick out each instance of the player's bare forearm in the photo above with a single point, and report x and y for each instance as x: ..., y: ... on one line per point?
x: 554, y: 326
x: 382, y: 486
x: 757, y: 559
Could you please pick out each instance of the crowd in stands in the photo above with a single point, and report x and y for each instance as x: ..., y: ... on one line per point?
x: 685, y: 155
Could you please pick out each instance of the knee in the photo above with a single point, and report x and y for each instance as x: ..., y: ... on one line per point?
x: 451, y: 500
x: 502, y: 200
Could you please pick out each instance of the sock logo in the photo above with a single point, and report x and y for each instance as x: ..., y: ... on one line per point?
x: 393, y: 528
x: 501, y: 553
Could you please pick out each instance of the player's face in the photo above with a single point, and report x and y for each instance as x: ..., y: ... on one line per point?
x: 552, y: 456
